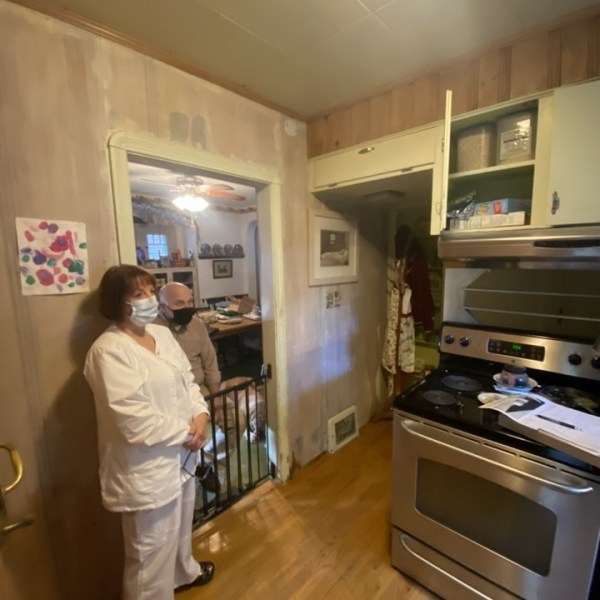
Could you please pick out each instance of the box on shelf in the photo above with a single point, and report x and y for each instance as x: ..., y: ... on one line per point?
x: 486, y: 221
x: 502, y: 206
x: 516, y: 137
x: 476, y: 147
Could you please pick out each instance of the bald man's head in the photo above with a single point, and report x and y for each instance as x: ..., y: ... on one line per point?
x: 175, y: 295
x: 176, y: 303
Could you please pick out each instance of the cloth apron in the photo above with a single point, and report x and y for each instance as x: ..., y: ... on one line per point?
x: 399, y: 345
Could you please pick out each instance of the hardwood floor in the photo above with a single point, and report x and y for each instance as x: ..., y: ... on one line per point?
x: 324, y: 534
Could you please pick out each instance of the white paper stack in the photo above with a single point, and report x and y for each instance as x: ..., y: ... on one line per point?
x: 566, y: 429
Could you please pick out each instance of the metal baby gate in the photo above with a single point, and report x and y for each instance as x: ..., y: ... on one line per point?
x: 236, y: 458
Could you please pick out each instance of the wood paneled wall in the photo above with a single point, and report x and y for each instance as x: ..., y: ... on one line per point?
x: 564, y: 53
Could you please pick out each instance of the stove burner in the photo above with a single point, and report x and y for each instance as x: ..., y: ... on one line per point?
x: 461, y: 383
x: 572, y: 398
x: 439, y: 398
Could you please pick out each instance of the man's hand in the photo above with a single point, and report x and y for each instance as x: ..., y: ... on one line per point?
x: 198, y: 432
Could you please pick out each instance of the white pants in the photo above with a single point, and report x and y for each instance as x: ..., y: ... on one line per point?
x: 158, y: 548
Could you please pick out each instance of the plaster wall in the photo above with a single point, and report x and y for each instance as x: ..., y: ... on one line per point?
x: 63, y: 92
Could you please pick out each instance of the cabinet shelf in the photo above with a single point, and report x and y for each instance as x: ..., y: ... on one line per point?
x: 215, y: 257
x: 506, y: 170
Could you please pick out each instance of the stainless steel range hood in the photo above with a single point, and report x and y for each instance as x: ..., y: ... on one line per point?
x: 579, y: 246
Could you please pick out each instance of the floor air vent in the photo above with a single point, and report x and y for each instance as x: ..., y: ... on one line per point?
x: 342, y: 428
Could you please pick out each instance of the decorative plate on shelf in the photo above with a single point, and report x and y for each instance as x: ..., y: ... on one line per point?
x: 217, y: 250
x: 228, y: 249
x: 205, y: 249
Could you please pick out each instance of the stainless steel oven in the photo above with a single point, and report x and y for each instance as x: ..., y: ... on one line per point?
x: 479, y: 511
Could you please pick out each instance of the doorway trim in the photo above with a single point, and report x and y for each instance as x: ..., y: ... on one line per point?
x: 267, y: 181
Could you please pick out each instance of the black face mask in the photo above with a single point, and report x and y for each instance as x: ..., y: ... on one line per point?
x: 182, y: 316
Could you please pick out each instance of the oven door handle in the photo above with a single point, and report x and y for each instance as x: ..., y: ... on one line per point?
x: 577, y: 487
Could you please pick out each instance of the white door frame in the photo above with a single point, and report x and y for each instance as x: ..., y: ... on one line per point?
x: 267, y: 181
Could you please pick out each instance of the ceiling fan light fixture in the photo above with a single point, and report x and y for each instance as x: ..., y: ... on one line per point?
x: 191, y: 202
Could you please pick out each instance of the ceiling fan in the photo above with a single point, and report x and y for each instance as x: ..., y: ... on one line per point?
x: 193, y: 185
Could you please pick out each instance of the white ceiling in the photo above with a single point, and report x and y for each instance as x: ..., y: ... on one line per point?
x: 309, y: 56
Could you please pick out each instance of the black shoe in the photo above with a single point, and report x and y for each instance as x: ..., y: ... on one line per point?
x: 208, y: 572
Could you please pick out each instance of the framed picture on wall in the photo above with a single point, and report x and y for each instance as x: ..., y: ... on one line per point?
x: 222, y: 269
x: 332, y: 247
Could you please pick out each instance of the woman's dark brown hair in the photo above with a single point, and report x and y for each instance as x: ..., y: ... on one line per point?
x: 116, y: 284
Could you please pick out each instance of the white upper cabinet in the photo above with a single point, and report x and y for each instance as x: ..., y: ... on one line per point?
x: 574, y: 174
x: 537, y: 158
x: 389, y: 157
x: 489, y: 166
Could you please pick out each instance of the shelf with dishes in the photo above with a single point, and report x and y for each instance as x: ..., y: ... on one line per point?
x: 221, y: 251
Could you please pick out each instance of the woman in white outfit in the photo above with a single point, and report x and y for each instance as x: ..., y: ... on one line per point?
x: 152, y: 420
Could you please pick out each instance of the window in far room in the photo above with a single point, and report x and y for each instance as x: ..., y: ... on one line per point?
x: 157, y: 246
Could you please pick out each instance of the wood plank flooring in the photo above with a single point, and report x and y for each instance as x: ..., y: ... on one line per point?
x: 324, y: 534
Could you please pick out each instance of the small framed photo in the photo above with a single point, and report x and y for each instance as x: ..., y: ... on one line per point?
x: 222, y: 269
x: 332, y: 247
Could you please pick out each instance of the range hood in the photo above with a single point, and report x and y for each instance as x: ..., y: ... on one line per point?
x: 578, y: 245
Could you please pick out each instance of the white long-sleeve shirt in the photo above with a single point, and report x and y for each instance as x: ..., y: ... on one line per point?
x: 145, y: 403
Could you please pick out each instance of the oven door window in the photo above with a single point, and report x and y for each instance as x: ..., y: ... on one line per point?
x: 440, y: 495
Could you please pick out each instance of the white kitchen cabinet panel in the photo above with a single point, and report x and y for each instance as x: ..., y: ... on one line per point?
x: 574, y: 174
x: 395, y: 155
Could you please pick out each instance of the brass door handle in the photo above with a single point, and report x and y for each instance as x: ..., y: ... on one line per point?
x: 10, y: 527
x: 17, y: 463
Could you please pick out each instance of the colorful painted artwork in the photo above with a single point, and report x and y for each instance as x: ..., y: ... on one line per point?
x: 52, y: 257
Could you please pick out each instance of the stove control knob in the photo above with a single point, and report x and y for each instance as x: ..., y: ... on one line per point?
x: 575, y: 359
x: 464, y: 341
x: 596, y: 362
x: 449, y: 339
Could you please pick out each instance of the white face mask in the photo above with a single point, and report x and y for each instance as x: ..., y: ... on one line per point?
x: 144, y: 311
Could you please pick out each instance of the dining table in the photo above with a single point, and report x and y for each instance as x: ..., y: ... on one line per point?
x: 218, y: 330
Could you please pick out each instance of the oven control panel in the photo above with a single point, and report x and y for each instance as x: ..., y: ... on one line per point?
x: 532, y: 351
x: 516, y: 349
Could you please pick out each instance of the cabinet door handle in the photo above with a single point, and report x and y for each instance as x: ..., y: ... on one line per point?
x: 366, y: 149
x: 555, y: 202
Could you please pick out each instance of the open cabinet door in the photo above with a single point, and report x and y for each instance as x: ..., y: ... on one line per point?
x: 441, y: 170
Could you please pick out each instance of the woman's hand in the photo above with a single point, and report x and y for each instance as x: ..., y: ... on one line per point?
x: 198, y: 432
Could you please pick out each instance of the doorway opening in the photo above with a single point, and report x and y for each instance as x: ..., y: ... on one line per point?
x: 259, y: 185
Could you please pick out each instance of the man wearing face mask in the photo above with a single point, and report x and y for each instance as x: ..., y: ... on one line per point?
x: 178, y: 313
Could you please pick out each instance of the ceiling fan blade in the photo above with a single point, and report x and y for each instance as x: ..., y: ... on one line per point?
x: 162, y: 183
x: 224, y: 194
x: 219, y: 186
